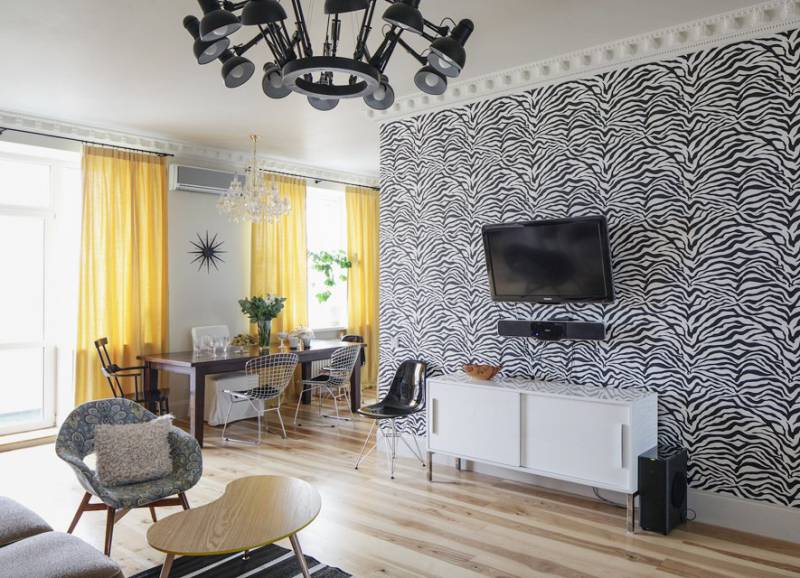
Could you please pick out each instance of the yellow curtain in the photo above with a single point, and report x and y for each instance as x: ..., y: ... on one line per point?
x: 123, y: 272
x: 279, y: 257
x: 362, y: 286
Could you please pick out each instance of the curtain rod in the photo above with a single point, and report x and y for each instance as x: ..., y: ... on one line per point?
x: 319, y: 179
x: 316, y: 179
x: 88, y: 142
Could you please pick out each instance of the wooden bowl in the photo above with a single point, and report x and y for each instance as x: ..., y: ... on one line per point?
x: 484, y: 372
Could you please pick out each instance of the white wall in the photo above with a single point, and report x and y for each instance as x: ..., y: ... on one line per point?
x: 196, y: 297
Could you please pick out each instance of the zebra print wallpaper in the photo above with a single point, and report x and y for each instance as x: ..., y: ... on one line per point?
x: 696, y: 164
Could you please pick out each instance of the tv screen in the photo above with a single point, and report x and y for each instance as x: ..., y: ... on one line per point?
x: 555, y: 261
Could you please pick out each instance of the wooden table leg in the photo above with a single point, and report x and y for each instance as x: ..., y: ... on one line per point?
x: 165, y: 569
x: 305, y: 373
x: 299, y: 553
x: 355, y: 388
x: 197, y: 400
x: 150, y: 387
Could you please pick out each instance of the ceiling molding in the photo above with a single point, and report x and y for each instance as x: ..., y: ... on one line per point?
x: 746, y: 23
x: 183, y: 151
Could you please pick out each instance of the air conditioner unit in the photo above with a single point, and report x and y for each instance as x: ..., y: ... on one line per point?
x: 197, y: 180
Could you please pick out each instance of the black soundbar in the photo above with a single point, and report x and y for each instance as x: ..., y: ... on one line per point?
x: 552, y: 330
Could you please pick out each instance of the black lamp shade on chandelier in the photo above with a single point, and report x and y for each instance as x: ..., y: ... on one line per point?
x: 383, y: 96
x: 236, y: 70
x: 430, y: 81
x: 447, y: 54
x: 342, y: 6
x: 405, y: 14
x: 217, y: 23
x: 331, y: 75
x: 204, y: 52
x: 272, y: 83
x: 258, y: 12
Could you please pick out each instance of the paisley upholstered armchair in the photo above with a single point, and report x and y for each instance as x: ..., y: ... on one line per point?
x: 76, y: 441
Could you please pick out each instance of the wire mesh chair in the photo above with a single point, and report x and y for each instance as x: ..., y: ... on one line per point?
x: 334, y: 382
x: 274, y: 372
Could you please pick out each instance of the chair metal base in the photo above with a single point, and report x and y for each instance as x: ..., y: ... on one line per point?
x: 391, y: 445
x: 321, y: 388
x: 260, y: 412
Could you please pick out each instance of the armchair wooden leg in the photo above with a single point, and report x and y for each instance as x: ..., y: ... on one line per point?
x: 153, y: 514
x: 110, y: 519
x: 81, y: 508
x: 184, y: 500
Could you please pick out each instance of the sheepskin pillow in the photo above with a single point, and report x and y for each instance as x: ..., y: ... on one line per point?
x: 133, y: 453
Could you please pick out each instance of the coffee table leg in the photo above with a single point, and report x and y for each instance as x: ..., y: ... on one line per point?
x: 167, y: 566
x: 299, y: 553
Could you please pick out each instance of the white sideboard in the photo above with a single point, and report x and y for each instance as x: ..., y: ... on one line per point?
x: 582, y: 434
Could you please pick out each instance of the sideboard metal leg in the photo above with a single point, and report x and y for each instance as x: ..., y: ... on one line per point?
x: 430, y: 466
x: 630, y: 517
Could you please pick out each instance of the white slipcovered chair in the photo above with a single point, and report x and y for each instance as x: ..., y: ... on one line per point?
x: 217, y: 403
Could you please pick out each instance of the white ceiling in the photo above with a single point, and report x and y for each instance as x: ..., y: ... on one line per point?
x: 127, y: 65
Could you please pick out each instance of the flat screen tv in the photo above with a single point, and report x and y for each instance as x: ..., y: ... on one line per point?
x: 554, y: 261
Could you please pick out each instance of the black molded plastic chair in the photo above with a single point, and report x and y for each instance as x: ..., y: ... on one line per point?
x: 406, y: 397
x: 113, y: 373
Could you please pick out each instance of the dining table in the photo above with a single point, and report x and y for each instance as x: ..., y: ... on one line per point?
x: 197, y: 365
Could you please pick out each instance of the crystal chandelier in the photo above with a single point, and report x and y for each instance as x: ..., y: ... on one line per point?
x: 253, y: 201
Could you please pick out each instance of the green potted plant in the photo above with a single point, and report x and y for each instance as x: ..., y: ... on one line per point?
x: 325, y: 262
x: 261, y: 311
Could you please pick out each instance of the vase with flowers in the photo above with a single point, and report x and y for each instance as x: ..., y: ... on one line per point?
x: 261, y: 310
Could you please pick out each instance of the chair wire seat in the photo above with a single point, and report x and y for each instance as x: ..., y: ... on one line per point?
x: 334, y: 381
x: 274, y: 372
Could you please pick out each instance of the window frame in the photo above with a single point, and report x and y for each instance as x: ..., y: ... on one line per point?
x: 58, y: 164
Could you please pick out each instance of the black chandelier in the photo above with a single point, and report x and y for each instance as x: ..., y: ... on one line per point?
x: 327, y: 78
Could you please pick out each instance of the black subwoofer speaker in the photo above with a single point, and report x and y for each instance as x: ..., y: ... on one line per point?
x: 662, y: 488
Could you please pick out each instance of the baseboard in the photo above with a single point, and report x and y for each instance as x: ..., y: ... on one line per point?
x: 760, y: 518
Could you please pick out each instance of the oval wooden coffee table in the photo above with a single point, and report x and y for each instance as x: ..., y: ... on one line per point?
x: 253, y: 512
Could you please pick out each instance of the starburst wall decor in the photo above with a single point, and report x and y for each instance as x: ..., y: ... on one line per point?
x: 207, y: 252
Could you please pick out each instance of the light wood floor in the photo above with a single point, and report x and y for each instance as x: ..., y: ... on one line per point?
x: 462, y: 525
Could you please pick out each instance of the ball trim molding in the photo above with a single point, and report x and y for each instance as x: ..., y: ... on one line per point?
x: 734, y: 26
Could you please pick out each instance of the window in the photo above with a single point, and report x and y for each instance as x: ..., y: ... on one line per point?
x: 40, y: 209
x: 327, y: 231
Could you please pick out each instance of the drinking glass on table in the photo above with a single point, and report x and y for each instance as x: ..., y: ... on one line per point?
x: 224, y: 344
x: 283, y: 336
x: 206, y: 344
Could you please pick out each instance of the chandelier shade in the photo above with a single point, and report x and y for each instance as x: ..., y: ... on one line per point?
x: 217, y: 23
x: 257, y: 12
x: 406, y: 15
x: 447, y: 54
x: 342, y: 6
x: 272, y: 83
x: 323, y: 104
x: 204, y: 52
x: 236, y: 70
x: 329, y: 75
x: 382, y: 97
x: 430, y: 81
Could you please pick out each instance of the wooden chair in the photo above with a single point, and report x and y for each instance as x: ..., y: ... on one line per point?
x: 113, y: 373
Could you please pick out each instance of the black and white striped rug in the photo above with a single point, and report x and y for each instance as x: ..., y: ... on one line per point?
x: 272, y: 561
